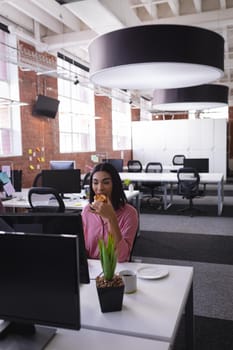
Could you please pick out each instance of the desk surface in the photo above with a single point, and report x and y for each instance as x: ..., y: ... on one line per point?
x: 90, y: 339
x: 21, y: 200
x: 153, y: 312
x: 169, y: 177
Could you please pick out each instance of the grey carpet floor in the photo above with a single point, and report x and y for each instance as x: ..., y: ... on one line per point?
x: 178, y: 223
x: 213, y: 283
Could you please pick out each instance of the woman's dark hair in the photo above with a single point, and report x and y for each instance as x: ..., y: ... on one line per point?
x: 118, y: 195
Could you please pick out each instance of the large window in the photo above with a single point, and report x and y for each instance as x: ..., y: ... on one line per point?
x: 10, y: 132
x: 121, y: 123
x: 76, y: 111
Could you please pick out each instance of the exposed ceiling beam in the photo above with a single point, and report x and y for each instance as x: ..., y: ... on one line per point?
x: 175, y: 7
x: 39, y: 15
x: 81, y: 38
x: 60, y: 13
x: 95, y: 16
x: 123, y: 11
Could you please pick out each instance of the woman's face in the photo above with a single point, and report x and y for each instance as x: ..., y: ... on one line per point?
x: 102, y: 183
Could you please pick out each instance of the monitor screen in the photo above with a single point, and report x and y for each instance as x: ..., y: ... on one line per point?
x: 45, y: 106
x: 65, y: 181
x: 39, y: 284
x: 62, y: 164
x: 51, y: 223
x: 117, y: 163
x: 201, y: 164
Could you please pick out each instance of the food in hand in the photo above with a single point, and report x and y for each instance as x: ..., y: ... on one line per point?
x: 100, y: 198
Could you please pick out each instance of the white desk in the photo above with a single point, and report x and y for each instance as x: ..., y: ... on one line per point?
x: 168, y: 179
x: 153, y: 312
x: 75, y: 203
x: 90, y: 339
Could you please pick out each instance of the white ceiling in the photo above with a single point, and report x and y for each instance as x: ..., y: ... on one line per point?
x: 68, y: 26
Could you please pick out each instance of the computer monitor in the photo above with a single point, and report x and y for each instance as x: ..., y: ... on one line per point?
x: 201, y: 164
x: 62, y: 164
x: 39, y: 287
x: 65, y: 181
x: 51, y: 223
x: 117, y: 163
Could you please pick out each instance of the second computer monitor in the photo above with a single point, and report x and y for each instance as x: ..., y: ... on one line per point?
x: 201, y: 164
x: 65, y: 181
x: 117, y: 163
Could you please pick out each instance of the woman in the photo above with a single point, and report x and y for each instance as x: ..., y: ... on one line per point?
x: 115, y: 215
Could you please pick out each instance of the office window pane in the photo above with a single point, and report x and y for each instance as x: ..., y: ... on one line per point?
x: 76, y: 112
x: 121, y: 124
x: 10, y: 132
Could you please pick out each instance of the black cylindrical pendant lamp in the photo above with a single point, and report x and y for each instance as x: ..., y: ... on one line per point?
x: 190, y: 98
x: 156, y: 56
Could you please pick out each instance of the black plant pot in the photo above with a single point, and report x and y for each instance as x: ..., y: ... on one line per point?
x: 111, y: 298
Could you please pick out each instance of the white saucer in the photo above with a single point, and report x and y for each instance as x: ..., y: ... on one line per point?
x: 152, y: 272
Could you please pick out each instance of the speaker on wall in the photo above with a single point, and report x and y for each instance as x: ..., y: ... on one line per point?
x: 45, y: 106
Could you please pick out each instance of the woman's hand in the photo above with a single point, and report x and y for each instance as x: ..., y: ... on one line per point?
x: 104, y: 209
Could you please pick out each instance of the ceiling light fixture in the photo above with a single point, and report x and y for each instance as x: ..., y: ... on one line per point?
x: 190, y: 98
x: 156, y: 56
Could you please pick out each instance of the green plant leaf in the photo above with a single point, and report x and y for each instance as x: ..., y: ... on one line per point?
x: 108, y: 256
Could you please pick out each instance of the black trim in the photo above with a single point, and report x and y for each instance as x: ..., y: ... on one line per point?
x: 4, y: 27
x: 75, y: 63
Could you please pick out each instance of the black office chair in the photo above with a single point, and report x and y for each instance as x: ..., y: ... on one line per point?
x: 188, y: 187
x: 45, y: 199
x: 178, y: 159
x: 86, y: 180
x: 153, y: 167
x: 134, y: 166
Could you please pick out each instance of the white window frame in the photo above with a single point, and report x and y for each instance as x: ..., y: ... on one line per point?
x: 76, y: 111
x: 10, y: 132
x: 121, y: 123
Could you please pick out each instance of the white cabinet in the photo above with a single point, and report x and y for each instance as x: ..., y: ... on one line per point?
x: 200, y: 138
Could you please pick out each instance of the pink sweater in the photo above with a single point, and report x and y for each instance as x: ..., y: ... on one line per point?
x: 94, y: 229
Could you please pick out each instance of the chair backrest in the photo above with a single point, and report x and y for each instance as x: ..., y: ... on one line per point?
x: 134, y: 166
x: 154, y: 167
x: 45, y: 199
x: 86, y: 180
x: 178, y: 159
x: 188, y: 182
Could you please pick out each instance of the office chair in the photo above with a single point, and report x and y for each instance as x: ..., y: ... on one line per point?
x: 153, y: 167
x: 188, y: 187
x: 86, y: 180
x: 134, y: 166
x: 178, y: 159
x: 45, y: 199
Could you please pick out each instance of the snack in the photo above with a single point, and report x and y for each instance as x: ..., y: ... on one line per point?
x: 100, y: 198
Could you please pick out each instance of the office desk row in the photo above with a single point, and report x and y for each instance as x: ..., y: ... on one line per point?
x: 169, y: 179
x: 20, y: 200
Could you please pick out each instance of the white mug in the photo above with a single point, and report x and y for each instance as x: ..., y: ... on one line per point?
x: 130, y: 280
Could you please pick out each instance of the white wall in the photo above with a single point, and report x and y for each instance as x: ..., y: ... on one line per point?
x: 201, y: 138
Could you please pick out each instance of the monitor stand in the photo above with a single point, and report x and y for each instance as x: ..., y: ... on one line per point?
x: 32, y: 338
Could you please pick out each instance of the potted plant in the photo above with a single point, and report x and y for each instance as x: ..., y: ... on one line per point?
x: 128, y: 185
x: 110, y: 286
